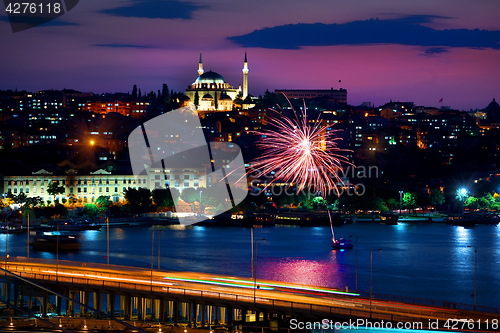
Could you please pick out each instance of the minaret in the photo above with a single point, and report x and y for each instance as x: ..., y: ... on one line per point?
x: 245, y: 77
x: 200, y: 66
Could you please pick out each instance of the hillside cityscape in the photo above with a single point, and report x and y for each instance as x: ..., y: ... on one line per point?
x: 69, y: 148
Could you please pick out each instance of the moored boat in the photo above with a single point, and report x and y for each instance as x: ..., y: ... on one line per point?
x: 55, y: 241
x: 341, y: 243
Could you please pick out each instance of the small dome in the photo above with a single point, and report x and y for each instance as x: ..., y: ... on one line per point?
x: 210, y: 77
x: 225, y: 97
x: 207, y: 96
x: 493, y: 105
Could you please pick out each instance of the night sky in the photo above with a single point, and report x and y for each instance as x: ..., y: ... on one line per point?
x: 418, y: 51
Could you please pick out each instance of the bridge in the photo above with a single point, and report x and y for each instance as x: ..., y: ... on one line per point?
x: 128, y: 295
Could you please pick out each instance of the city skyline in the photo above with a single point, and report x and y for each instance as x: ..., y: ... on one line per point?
x: 110, y: 46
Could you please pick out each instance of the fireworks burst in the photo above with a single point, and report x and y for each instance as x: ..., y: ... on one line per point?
x: 300, y: 153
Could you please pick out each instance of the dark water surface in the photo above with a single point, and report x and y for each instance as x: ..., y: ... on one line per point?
x: 419, y: 260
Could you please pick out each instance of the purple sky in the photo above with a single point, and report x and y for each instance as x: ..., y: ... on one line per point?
x: 101, y: 48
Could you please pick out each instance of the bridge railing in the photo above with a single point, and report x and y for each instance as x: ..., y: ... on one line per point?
x: 377, y: 296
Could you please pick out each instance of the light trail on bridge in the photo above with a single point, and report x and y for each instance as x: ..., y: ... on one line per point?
x: 238, y: 285
x: 288, y: 286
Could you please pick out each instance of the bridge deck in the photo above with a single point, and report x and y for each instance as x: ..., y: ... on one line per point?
x: 233, y: 292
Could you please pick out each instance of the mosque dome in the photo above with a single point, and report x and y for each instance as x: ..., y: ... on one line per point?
x: 207, y: 96
x: 210, y: 77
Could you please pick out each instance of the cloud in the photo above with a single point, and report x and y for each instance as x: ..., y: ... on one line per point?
x: 124, y: 45
x: 434, y: 50
x: 170, y: 9
x: 405, y: 30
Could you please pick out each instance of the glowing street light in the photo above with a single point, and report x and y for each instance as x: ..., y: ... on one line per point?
x: 462, y: 194
x: 371, y: 269
x: 475, y: 273
x: 356, y: 259
x: 255, y: 269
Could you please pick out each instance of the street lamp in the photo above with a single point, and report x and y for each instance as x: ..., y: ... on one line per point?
x: 200, y: 201
x: 255, y: 269
x: 356, y: 259
x: 462, y: 194
x: 152, y: 256
x: 7, y: 246
x: 159, y: 237
x: 371, y: 269
x: 400, y: 200
x: 475, y: 273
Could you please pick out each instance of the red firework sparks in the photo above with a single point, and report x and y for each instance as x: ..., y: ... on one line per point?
x: 300, y: 153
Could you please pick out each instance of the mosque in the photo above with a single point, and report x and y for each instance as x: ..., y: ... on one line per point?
x: 211, y: 93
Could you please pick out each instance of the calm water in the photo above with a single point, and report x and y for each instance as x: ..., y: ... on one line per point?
x: 421, y: 260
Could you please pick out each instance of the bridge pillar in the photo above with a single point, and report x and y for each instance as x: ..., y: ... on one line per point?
x: 58, y: 305
x: 30, y: 301
x: 223, y: 315
x: 84, y: 299
x: 138, y: 304
x: 167, y: 308
x: 6, y: 291
x: 16, y: 295
x: 265, y: 319
x: 203, y: 309
x: 243, y: 315
x: 122, y: 305
x: 128, y: 307
x: 190, y: 317
x: 230, y: 313
x: 175, y: 309
x: 45, y: 303
x: 148, y: 308
x: 110, y: 303
x: 156, y: 314
x: 216, y: 315
x: 184, y: 311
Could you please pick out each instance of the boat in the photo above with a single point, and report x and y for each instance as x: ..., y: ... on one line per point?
x: 389, y: 218
x: 464, y: 220
x: 55, y: 241
x: 77, y: 226
x: 12, y: 229
x: 341, y: 243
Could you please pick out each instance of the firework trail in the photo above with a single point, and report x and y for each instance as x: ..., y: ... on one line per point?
x: 300, y: 153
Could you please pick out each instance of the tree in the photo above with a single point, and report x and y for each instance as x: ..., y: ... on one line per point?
x: 91, y: 210
x: 472, y: 203
x: 139, y: 200
x: 318, y: 202
x: 4, y: 203
x: 391, y: 202
x: 196, y: 98
x: 134, y: 91
x: 54, y: 189
x: 409, y: 201
x: 20, y: 199
x: 436, y: 197
x: 162, y: 198
x: 165, y: 96
x: 190, y: 195
x: 33, y: 202
x: 103, y: 202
